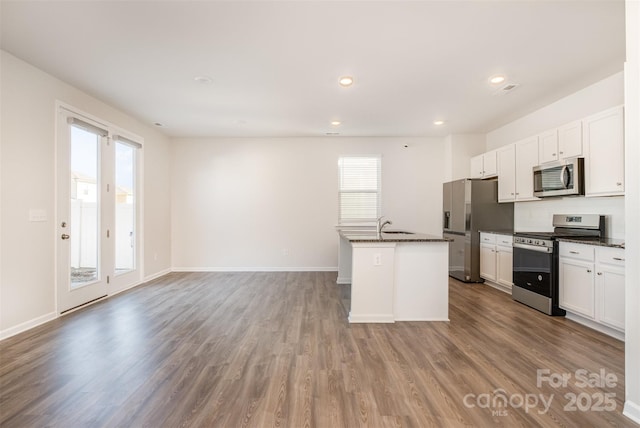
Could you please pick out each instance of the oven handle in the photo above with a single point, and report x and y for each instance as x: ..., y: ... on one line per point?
x: 533, y: 248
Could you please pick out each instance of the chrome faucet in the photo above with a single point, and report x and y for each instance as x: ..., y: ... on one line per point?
x: 382, y: 224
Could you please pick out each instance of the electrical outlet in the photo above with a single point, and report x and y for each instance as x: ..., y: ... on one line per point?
x: 377, y: 259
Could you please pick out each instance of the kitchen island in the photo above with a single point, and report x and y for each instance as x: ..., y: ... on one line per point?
x: 395, y: 276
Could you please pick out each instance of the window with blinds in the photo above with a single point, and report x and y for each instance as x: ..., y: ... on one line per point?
x: 360, y: 188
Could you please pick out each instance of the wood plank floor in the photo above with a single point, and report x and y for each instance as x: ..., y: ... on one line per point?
x: 276, y: 350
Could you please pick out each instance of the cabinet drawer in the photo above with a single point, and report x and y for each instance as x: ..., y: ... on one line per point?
x: 611, y: 256
x: 487, y: 238
x: 504, y: 240
x: 577, y: 251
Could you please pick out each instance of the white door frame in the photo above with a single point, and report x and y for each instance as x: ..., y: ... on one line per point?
x: 108, y: 283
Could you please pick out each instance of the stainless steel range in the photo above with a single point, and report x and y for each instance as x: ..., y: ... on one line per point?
x: 535, y: 259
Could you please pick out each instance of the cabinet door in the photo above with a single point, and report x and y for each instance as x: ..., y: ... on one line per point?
x: 506, y: 173
x: 476, y: 167
x: 504, y: 270
x: 526, y: 159
x: 490, y: 164
x: 570, y: 140
x: 577, y: 287
x: 548, y: 146
x: 488, y: 261
x: 603, y: 135
x: 610, y: 286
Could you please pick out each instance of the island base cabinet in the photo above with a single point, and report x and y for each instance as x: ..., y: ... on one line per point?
x: 372, y: 283
x: 406, y: 281
x: 417, y: 275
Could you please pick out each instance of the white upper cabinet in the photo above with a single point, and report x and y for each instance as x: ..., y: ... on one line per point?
x: 570, y: 140
x: 484, y: 165
x: 526, y: 159
x: 515, y: 170
x: 507, y: 173
x: 561, y: 143
x: 548, y: 146
x: 603, y: 136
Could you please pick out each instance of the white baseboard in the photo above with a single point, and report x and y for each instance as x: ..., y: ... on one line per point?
x: 632, y: 411
x: 343, y: 280
x: 595, y: 326
x: 365, y: 318
x: 4, y: 334
x: 255, y: 269
x: 497, y: 286
x: 156, y: 275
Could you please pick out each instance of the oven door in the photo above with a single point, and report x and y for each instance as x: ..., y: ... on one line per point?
x: 533, y: 268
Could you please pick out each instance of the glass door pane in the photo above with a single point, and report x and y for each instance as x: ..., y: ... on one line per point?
x: 125, y: 208
x: 85, y: 207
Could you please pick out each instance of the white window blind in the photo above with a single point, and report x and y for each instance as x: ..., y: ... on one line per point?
x: 360, y: 188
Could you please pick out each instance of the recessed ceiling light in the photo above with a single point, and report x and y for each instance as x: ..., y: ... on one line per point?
x: 336, y: 122
x: 438, y: 122
x: 498, y: 78
x: 205, y: 80
x: 346, y: 81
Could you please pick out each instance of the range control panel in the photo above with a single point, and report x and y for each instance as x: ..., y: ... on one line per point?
x: 533, y: 241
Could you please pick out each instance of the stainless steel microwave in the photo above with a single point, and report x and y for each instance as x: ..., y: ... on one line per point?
x: 560, y: 178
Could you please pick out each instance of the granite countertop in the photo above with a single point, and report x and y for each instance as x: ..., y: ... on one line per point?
x: 600, y: 242
x: 497, y: 231
x: 365, y: 236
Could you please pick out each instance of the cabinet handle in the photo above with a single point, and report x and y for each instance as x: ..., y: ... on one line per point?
x: 574, y: 252
x: 619, y: 259
x: 553, y: 154
x: 505, y: 242
x: 618, y: 184
x: 599, y: 273
x: 561, y: 153
x: 589, y: 270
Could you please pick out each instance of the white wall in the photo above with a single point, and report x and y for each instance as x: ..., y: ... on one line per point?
x: 272, y: 203
x: 459, y: 149
x: 27, y: 127
x: 537, y: 215
x: 601, y: 95
x: 632, y: 187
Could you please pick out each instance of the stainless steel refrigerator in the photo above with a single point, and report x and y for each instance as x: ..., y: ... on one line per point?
x: 469, y: 206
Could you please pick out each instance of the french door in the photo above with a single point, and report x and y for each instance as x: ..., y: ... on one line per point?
x: 97, y: 211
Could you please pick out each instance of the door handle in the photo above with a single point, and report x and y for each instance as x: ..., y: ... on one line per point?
x: 65, y: 236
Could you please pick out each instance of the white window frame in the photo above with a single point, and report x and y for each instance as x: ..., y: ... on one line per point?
x: 377, y: 191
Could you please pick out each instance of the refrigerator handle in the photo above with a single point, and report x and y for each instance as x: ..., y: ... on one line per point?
x: 447, y: 218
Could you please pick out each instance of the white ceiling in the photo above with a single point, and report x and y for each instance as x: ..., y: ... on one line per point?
x: 275, y: 64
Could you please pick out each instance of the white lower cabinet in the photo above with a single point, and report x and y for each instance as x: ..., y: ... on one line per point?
x: 577, y: 289
x: 496, y: 259
x: 592, y: 284
x: 504, y: 265
x: 610, y: 286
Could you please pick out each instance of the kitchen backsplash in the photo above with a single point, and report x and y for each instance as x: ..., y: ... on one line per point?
x: 538, y: 215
